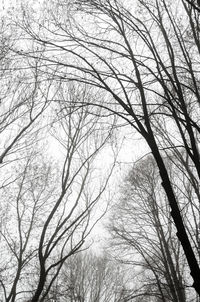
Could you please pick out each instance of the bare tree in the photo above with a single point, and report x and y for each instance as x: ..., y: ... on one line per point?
x: 145, y: 60
x: 24, y: 102
x: 27, y: 199
x: 143, y: 232
x: 49, y: 211
x: 194, y: 4
x: 89, y: 277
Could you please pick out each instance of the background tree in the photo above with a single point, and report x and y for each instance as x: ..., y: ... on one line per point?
x: 90, y: 277
x: 144, y: 235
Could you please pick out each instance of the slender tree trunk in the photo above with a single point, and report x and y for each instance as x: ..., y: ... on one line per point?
x: 40, y: 285
x: 175, y: 213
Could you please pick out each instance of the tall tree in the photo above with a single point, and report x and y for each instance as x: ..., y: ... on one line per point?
x: 145, y: 58
x: 49, y: 209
